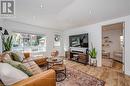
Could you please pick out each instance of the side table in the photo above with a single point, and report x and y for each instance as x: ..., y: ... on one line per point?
x: 52, y: 61
x: 60, y: 72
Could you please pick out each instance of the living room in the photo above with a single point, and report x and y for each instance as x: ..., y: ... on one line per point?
x: 45, y: 29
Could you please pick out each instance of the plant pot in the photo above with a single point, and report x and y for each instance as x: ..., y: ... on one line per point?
x: 93, y: 62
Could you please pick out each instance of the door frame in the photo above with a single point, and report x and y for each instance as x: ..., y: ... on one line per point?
x: 123, y: 69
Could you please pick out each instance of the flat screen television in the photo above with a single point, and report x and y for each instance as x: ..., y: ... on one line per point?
x: 80, y: 40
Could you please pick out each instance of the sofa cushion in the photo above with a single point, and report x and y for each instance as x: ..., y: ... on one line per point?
x: 21, y: 55
x: 40, y: 60
x: 33, y: 67
x: 15, y: 57
x: 10, y: 75
x: 5, y: 56
x: 19, y: 66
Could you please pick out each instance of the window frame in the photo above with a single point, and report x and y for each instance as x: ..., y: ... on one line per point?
x: 23, y: 48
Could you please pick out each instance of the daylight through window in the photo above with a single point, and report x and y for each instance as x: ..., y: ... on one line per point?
x: 29, y: 42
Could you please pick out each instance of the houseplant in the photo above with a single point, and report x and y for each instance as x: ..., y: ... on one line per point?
x: 7, y: 43
x: 93, y: 54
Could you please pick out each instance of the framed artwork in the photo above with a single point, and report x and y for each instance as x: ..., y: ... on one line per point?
x: 57, y: 39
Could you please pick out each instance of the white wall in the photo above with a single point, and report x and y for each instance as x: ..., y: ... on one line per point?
x: 21, y: 27
x: 95, y: 34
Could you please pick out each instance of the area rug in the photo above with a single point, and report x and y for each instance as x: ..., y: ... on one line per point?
x: 77, y: 78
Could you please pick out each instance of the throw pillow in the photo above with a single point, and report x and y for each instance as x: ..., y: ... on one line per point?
x: 19, y: 66
x: 5, y: 56
x: 10, y: 75
x: 21, y: 55
x: 15, y: 57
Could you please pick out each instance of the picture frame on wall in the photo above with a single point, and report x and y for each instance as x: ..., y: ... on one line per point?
x: 57, y: 39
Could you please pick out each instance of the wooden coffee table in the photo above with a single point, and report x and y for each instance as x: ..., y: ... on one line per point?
x: 54, y: 60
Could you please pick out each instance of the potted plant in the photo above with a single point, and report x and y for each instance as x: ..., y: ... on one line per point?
x: 7, y: 43
x: 93, y: 54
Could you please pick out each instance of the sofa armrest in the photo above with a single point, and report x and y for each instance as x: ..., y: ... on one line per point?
x: 47, y: 78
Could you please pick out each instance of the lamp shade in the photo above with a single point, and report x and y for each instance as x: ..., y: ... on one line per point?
x: 6, y: 32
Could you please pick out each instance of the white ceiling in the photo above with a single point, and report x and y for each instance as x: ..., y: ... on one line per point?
x: 66, y: 14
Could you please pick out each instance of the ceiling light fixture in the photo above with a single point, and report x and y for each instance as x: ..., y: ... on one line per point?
x: 90, y: 12
x: 41, y: 6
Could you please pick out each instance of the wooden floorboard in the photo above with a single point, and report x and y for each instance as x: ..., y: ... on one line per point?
x: 112, y: 76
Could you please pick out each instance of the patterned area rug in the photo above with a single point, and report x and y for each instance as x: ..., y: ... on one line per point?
x: 78, y: 78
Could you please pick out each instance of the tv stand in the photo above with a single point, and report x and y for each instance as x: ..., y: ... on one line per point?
x: 77, y: 56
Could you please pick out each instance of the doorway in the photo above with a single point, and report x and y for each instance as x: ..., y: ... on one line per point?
x: 113, y: 46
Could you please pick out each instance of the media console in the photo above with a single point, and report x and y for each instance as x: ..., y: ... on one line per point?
x: 77, y: 56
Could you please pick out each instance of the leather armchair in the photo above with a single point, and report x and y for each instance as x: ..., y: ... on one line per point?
x: 47, y: 78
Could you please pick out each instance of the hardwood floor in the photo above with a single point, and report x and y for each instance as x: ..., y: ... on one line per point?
x: 112, y: 76
x: 117, y: 66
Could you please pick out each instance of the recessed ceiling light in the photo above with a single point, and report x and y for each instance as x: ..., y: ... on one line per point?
x: 41, y: 6
x: 90, y: 12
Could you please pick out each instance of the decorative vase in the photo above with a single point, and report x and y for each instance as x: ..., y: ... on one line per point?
x: 93, y: 62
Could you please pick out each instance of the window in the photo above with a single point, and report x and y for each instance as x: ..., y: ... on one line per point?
x: 29, y: 42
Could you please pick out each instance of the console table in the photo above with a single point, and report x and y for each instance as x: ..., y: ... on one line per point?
x: 77, y: 56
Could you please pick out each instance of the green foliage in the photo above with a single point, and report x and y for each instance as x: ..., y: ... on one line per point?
x: 93, y: 52
x: 7, y: 43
